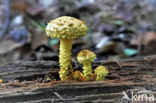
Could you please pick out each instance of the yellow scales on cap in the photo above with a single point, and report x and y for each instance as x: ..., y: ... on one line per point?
x: 86, y: 57
x: 101, y: 72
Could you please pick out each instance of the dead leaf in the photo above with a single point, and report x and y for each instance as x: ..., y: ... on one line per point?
x: 144, y: 38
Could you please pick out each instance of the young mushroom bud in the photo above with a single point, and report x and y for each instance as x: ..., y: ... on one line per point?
x: 101, y: 72
x: 66, y: 29
x: 77, y: 75
x: 86, y: 57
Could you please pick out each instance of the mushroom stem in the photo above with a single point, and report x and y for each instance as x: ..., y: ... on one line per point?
x: 87, y: 69
x: 65, y: 59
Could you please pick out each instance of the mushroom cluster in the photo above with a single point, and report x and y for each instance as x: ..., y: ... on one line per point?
x: 66, y: 29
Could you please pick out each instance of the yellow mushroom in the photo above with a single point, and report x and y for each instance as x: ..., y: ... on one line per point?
x: 101, y: 72
x: 86, y: 57
x: 77, y: 75
x: 66, y: 29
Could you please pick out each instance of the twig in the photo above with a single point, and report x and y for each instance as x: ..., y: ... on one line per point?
x: 75, y: 63
x: 39, y: 101
x: 59, y: 96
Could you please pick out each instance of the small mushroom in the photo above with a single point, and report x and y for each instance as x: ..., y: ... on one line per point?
x: 66, y: 29
x: 86, y: 57
x: 77, y: 75
x: 101, y: 72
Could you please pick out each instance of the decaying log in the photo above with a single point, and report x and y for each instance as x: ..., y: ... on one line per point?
x: 27, y: 69
x: 124, y: 75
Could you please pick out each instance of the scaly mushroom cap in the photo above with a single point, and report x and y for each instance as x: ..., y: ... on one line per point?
x: 101, y: 70
x: 66, y: 27
x: 86, y: 56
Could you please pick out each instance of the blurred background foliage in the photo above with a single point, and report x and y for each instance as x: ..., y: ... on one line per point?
x: 117, y: 28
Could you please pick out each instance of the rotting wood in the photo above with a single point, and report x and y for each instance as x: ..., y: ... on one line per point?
x: 124, y: 75
x: 24, y: 69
